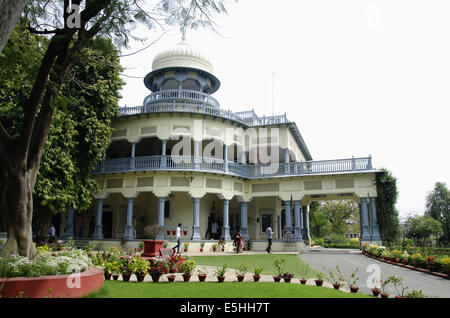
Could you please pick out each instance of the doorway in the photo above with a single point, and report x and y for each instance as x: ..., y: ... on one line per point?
x: 107, y: 220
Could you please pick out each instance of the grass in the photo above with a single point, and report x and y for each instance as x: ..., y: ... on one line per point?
x: 119, y: 289
x: 294, y: 265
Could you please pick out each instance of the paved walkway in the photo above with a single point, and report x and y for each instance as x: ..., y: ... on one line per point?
x: 348, y: 260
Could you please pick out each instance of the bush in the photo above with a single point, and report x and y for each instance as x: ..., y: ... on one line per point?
x: 188, y: 267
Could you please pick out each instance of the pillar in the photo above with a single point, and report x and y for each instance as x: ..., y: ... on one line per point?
x: 98, y: 231
x: 68, y: 229
x: 225, y: 158
x: 374, y: 221
x: 365, y: 228
x: 197, y: 157
x: 286, y: 161
x: 287, y: 216
x: 129, y: 230
x: 226, y: 226
x: 163, y: 153
x: 244, y: 220
x: 161, y: 204
x: 298, y: 221
x: 196, y: 220
x: 306, y: 236
x: 133, y: 151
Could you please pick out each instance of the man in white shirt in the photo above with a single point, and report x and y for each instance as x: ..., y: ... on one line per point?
x: 178, y: 240
x: 269, y: 234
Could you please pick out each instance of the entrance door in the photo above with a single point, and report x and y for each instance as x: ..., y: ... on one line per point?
x: 107, y: 220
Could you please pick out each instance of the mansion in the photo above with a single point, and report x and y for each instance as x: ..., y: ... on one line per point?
x: 181, y: 158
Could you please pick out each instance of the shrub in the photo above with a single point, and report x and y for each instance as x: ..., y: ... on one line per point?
x: 416, y: 258
x: 396, y: 253
x: 415, y: 294
x: 221, y: 270
x: 140, y: 266
x: 279, y: 265
x: 242, y: 269
x: 258, y: 270
x: 188, y: 267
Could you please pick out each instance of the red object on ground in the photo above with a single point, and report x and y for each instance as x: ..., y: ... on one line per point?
x: 151, y: 248
x: 38, y: 287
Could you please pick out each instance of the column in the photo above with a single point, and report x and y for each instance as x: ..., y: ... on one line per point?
x: 225, y: 158
x: 306, y: 236
x: 129, y: 231
x: 244, y: 220
x: 197, y: 157
x: 196, y: 221
x: 286, y: 161
x: 98, y: 231
x: 163, y: 153
x: 287, y: 216
x: 374, y: 221
x: 133, y: 151
x: 244, y: 162
x: 226, y: 227
x: 68, y: 229
x: 161, y: 204
x: 298, y: 221
x: 365, y: 229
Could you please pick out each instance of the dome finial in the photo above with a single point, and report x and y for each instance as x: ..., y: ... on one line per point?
x: 183, y: 37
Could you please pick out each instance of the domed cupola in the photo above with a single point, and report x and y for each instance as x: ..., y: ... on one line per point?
x: 182, y: 72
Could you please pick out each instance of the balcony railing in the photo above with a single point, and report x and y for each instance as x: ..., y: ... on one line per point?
x: 183, y: 95
x: 233, y: 168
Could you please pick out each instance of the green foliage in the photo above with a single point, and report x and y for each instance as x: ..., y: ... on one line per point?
x: 420, y: 228
x: 257, y: 270
x: 279, y: 265
x: 319, y: 224
x: 221, y: 270
x: 242, y: 268
x: 188, y: 267
x: 140, y: 266
x: 343, y: 216
x: 415, y: 294
x: 437, y: 207
x: 387, y: 214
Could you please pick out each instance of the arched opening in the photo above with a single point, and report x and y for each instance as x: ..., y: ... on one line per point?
x: 170, y: 84
x: 191, y: 85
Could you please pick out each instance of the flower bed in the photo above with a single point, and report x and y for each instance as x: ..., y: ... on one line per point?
x: 67, y: 286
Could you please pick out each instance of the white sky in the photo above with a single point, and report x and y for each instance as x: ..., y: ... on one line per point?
x: 358, y: 77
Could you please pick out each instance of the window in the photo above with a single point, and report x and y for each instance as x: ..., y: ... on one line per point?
x: 167, y: 209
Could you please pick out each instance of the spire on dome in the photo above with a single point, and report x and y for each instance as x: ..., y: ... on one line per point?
x: 183, y: 37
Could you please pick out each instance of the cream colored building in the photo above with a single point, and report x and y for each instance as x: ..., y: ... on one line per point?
x: 180, y: 158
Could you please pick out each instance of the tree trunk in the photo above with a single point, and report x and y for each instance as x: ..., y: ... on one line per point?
x: 9, y: 14
x: 17, y: 204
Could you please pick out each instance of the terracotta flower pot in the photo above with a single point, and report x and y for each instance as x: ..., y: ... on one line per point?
x: 287, y: 279
x: 155, y: 277
x: 220, y: 279
x: 168, y: 232
x: 384, y: 295
x: 115, y: 276
x: 107, y: 276
x: 184, y: 232
x: 174, y: 232
x: 240, y: 278
x: 398, y: 296
x: 214, y: 249
x: 201, y: 250
x: 201, y: 278
x: 186, y: 277
x: 171, y: 278
x: 303, y: 281
x: 256, y: 278
x: 354, y: 289
x: 319, y: 282
x: 126, y: 277
x: 276, y: 279
x: 336, y: 286
x: 140, y: 277
x: 376, y: 292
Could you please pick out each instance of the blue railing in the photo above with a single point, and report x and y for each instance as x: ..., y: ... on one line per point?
x: 182, y: 94
x: 228, y: 167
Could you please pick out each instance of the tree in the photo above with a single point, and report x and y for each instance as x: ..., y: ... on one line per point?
x: 20, y: 154
x: 387, y: 214
x: 319, y: 224
x: 343, y: 216
x: 420, y: 228
x: 9, y: 14
x: 438, y: 207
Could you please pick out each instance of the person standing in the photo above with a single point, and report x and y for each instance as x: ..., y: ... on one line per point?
x: 52, y: 230
x: 269, y: 235
x: 214, y: 228
x: 178, y: 240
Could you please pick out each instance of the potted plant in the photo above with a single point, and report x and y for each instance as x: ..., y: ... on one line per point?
x: 257, y: 273
x: 416, y: 259
x: 303, y: 280
x: 222, y: 244
x: 279, y: 265
x: 431, y: 266
x: 287, y: 277
x: 187, y: 268
x: 214, y: 246
x: 202, y: 244
x: 220, y: 272
x: 152, y: 246
x: 335, y: 279
x: 185, y: 232
x: 155, y: 273
x: 398, y: 285
x: 351, y: 281
x: 171, y: 277
x: 107, y: 268
x: 404, y: 258
x: 242, y: 269
x: 186, y: 246
x: 163, y: 266
x: 127, y: 269
x: 202, y: 275
x: 140, y: 268
x: 174, y: 232
x: 319, y: 280
x: 384, y: 284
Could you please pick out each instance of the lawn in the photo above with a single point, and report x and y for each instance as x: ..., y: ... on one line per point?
x: 119, y: 289
x: 294, y: 265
